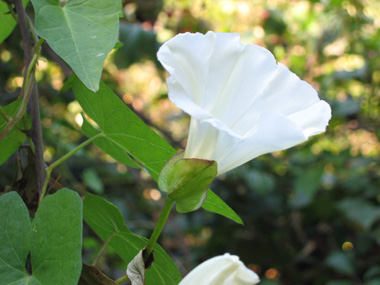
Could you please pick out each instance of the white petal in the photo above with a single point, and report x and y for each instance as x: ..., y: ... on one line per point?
x: 181, y: 57
x: 243, y: 104
x: 252, y: 71
x: 211, y: 71
x: 221, y: 270
x: 274, y: 132
x: 313, y: 120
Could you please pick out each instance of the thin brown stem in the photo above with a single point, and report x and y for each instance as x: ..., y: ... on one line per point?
x: 30, y: 62
x: 36, y: 136
x: 25, y: 33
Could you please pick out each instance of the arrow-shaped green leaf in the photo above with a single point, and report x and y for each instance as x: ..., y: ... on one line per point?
x: 122, y: 128
x: 81, y: 32
x: 15, y: 238
x: 54, y: 240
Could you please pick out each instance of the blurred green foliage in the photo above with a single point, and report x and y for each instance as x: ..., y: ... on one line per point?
x: 311, y: 214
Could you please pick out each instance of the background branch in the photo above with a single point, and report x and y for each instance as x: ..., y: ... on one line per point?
x: 166, y: 134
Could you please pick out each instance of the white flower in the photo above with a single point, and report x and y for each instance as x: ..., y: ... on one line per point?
x: 221, y: 270
x: 241, y: 102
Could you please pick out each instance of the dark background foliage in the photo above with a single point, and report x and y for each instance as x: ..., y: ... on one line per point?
x: 311, y: 213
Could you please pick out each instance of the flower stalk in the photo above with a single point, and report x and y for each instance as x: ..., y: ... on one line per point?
x: 122, y: 279
x: 158, y: 229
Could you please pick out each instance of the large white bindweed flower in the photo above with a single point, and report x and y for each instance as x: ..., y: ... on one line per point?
x: 221, y: 270
x: 241, y: 102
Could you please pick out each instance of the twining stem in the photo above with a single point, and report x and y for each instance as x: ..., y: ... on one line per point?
x: 27, y: 90
x: 50, y: 168
x: 101, y: 251
x: 31, y: 27
x: 122, y: 279
x: 159, y: 226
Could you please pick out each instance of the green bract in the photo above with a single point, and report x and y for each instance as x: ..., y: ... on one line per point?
x: 187, y: 180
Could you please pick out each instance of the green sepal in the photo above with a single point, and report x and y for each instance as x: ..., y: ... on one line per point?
x: 187, y: 180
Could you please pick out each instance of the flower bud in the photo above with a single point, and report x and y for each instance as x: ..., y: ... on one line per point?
x: 186, y: 181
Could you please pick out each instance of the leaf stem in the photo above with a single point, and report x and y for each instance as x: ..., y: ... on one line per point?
x: 101, y: 251
x: 34, y: 60
x: 12, y: 12
x: 159, y: 226
x: 122, y: 279
x: 31, y: 27
x: 5, y: 115
x: 30, y: 141
x: 50, y: 168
